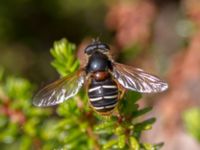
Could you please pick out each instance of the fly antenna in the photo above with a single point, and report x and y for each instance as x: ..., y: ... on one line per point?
x: 97, y: 39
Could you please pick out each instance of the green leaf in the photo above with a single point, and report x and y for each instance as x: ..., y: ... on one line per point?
x: 110, y: 144
x: 132, y: 96
x: 65, y: 61
x: 145, y: 125
x: 105, y: 127
x: 127, y: 105
x: 158, y: 146
x: 121, y: 141
x: 148, y: 146
x: 141, y: 112
x: 134, y: 144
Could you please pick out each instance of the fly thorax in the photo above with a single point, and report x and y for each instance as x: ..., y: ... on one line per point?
x: 98, y: 62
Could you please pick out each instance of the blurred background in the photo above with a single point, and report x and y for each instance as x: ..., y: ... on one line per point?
x: 162, y: 37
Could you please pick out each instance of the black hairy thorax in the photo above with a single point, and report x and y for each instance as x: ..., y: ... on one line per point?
x: 98, y: 62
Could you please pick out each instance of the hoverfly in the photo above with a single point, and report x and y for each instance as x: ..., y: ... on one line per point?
x: 104, y: 78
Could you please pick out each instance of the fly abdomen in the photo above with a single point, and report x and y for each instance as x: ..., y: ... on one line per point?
x: 103, y: 95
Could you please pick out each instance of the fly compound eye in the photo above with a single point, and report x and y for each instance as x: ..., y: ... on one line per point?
x: 90, y: 49
x: 96, y: 46
x: 103, y: 47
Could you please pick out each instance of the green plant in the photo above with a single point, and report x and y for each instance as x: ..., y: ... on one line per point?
x: 71, y: 125
x: 20, y: 122
x: 192, y: 122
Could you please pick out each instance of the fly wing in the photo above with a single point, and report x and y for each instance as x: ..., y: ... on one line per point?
x: 60, y: 90
x: 137, y: 80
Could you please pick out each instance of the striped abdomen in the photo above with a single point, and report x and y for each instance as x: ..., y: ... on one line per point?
x: 103, y: 95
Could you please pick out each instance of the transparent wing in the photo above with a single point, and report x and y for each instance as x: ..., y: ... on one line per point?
x: 137, y: 80
x: 60, y: 90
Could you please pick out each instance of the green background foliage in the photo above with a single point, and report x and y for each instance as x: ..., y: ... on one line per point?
x: 192, y: 122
